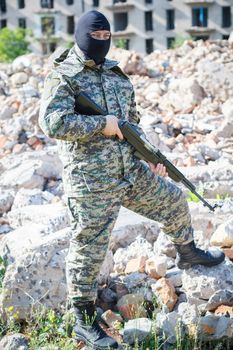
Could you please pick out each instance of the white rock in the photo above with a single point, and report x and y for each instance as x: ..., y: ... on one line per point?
x: 55, y: 216
x: 20, y: 63
x: 189, y: 313
x: 36, y: 276
x: 207, y: 152
x: 6, y: 201
x: 7, y: 112
x: 4, y: 229
x: 223, y: 236
x: 160, y: 265
x: 19, y: 78
x: 164, y: 246
x: 28, y: 235
x: 217, y: 177
x: 227, y: 109
x: 201, y: 282
x: 188, y: 87
x: 152, y: 91
x: 174, y: 275
x: 133, y: 280
x: 12, y: 127
x: 212, y: 75
x: 230, y: 39
x: 35, y: 196
x: 168, y: 324
x: 23, y: 176
x: 30, y: 169
x: 136, y: 330
x: 140, y: 247
x: 221, y: 326
x: 128, y: 226
x: 15, y: 341
x: 221, y: 297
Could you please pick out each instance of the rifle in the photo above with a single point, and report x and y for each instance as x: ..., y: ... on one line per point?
x: 144, y: 149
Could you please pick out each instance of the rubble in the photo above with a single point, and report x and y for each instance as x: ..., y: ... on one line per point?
x: 185, y: 97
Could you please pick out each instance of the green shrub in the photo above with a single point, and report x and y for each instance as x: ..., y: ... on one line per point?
x: 13, y: 43
x: 47, y: 327
x: 121, y: 43
x: 179, y: 40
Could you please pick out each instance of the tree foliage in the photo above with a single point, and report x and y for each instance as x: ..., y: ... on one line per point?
x: 179, y: 40
x: 121, y: 43
x: 13, y: 43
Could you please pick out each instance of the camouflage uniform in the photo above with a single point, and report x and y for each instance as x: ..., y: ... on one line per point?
x: 101, y: 173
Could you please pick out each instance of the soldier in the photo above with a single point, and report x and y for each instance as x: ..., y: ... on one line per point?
x: 101, y: 172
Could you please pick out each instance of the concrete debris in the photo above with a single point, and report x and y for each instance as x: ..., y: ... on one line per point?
x: 185, y: 97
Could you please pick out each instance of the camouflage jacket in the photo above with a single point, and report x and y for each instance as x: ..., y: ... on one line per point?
x: 91, y: 161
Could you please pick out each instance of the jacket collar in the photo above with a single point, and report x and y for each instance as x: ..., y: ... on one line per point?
x: 73, y: 61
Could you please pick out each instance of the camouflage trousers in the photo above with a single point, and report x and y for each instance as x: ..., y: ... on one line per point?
x: 93, y: 217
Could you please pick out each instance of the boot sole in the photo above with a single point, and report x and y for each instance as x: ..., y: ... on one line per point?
x: 93, y: 346
x: 186, y: 265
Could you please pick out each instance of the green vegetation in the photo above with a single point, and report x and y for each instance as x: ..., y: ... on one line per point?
x: 48, y: 327
x: 53, y: 331
x: 179, y: 40
x: 3, y: 266
x: 70, y: 44
x: 121, y: 43
x: 13, y: 43
x: 50, y: 330
x: 191, y: 197
x: 44, y: 328
x: 223, y: 196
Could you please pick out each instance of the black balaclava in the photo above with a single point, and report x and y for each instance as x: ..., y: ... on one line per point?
x: 92, y: 48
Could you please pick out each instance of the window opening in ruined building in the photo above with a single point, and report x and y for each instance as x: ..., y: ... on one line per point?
x: 48, y: 47
x: 149, y: 45
x: 83, y: 6
x: 48, y: 4
x: 170, y: 16
x: 21, y: 4
x: 70, y: 24
x: 127, y: 41
x: 148, y: 20
x: 170, y: 42
x: 200, y: 37
x: 225, y: 36
x: 120, y: 21
x: 226, y: 16
x: 69, y: 2
x: 3, y: 23
x: 116, y: 1
x: 96, y: 3
x: 3, y: 6
x: 22, y: 23
x: 48, y: 25
x: 44, y: 48
x: 200, y: 17
x: 149, y: 1
x: 52, y: 46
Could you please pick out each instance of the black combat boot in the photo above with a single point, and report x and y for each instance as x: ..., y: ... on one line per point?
x: 189, y: 255
x: 88, y: 330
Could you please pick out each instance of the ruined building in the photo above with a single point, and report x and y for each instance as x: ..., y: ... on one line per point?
x: 141, y: 25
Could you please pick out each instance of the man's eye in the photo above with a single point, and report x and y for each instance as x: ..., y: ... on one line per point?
x: 97, y: 36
